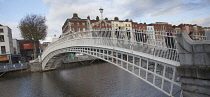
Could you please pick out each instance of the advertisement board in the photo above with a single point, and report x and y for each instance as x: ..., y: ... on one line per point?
x: 27, y: 46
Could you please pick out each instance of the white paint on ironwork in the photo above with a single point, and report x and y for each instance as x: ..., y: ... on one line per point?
x: 147, y: 55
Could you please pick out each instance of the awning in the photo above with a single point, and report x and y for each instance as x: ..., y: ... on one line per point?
x: 3, y: 59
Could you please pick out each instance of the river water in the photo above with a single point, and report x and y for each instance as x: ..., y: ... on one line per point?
x: 95, y: 80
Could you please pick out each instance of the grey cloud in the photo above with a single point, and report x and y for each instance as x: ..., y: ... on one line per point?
x: 203, y: 21
x: 12, y: 25
x: 140, y: 8
x: 200, y: 21
x: 60, y: 10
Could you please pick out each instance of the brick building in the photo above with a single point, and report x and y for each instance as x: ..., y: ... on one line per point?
x: 26, y: 49
x: 123, y: 25
x: 197, y: 30
x: 161, y: 26
x: 76, y: 24
x: 142, y: 26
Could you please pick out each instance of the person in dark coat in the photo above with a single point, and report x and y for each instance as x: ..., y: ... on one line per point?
x: 117, y: 34
x: 141, y: 36
x: 190, y: 34
x: 138, y: 36
x: 128, y: 34
x: 169, y: 40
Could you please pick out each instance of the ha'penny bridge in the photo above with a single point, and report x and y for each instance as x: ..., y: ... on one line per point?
x: 151, y: 56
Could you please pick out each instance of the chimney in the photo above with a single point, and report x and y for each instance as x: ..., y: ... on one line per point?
x: 116, y: 18
x: 126, y: 20
x: 75, y: 15
x: 106, y: 18
x: 88, y: 17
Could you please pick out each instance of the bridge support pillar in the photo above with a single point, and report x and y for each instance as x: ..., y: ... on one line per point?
x: 35, y: 66
x: 194, y: 69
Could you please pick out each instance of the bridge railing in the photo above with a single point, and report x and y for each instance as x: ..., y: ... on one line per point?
x: 157, y: 43
x: 199, y: 37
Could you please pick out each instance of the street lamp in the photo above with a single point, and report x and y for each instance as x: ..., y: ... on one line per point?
x: 101, y: 11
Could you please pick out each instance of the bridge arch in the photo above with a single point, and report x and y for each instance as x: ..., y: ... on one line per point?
x: 153, y: 64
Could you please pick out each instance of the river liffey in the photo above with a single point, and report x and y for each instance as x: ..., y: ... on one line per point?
x: 95, y: 80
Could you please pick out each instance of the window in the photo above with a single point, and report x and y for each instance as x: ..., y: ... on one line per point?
x: 72, y: 29
x: 1, y: 31
x: 117, y: 25
x: 78, y: 29
x: 83, y: 24
x: 83, y: 29
x: 128, y: 25
x: 72, y: 24
x: 102, y: 24
x: 78, y: 24
x: 1, y: 38
x: 3, y: 50
x: 125, y: 25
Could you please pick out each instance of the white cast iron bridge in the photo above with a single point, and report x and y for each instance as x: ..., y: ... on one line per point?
x: 150, y: 56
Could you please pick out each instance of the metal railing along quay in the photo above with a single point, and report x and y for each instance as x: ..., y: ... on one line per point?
x: 12, y: 67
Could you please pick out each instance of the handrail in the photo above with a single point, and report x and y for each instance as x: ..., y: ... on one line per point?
x: 10, y: 67
x: 160, y: 41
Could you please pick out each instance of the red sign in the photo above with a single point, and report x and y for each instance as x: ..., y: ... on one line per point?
x: 27, y: 46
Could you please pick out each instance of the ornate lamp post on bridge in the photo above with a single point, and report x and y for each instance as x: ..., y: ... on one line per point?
x: 101, y: 11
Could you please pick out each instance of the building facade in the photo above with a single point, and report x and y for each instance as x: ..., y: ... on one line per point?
x: 151, y: 35
x: 16, y: 46
x: 161, y: 26
x: 6, y: 45
x: 197, y: 30
x: 206, y: 29
x: 26, y: 49
x: 76, y: 24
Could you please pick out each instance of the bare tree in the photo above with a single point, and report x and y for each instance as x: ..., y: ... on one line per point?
x: 33, y: 28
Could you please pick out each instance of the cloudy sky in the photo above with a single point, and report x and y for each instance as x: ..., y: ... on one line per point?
x: 149, y: 11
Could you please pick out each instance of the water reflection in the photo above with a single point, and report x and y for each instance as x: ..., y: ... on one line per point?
x: 102, y: 79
